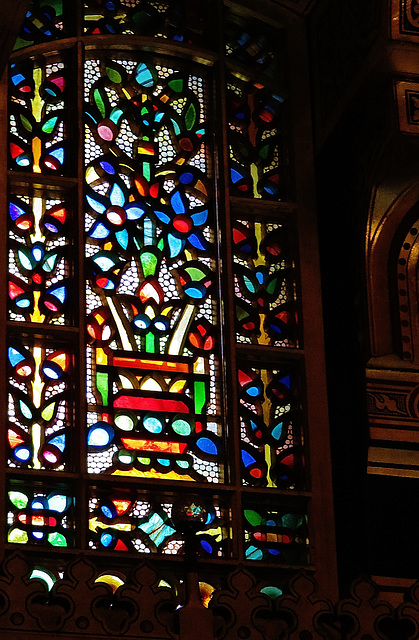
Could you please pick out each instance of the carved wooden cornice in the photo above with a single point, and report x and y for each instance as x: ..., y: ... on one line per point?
x: 78, y: 607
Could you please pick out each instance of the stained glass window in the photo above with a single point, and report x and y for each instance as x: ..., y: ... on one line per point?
x: 154, y: 339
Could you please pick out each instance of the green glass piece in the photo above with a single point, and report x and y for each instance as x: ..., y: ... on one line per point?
x: 113, y: 75
x: 160, y: 245
x: 272, y: 592
x: 116, y: 115
x: 48, y: 412
x: 99, y: 102
x: 272, y: 285
x: 18, y: 536
x: 190, y: 117
x: 50, y: 263
x: 26, y: 123
x: 292, y: 520
x: 145, y: 461
x: 200, y: 397
x: 18, y: 499
x: 150, y: 343
x: 148, y: 263
x: 176, y: 85
x: 48, y: 126
x: 253, y: 517
x: 181, y: 427
x: 57, y: 539
x: 124, y: 422
x: 102, y: 386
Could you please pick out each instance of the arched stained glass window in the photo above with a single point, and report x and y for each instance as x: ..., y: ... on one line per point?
x: 154, y: 333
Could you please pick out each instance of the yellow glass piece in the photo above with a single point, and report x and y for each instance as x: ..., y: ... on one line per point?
x: 113, y: 581
x: 17, y: 535
x: 37, y: 102
x: 125, y: 339
x: 135, y: 473
x: 91, y: 175
x: 126, y: 383
x: 36, y: 441
x: 266, y: 409
x: 36, y: 151
x: 199, y: 365
x: 101, y: 357
x: 37, y: 384
x: 255, y: 178
x: 36, y: 316
x: 94, y: 525
x: 178, y: 386
x: 62, y: 359
x: 206, y: 591
x: 38, y: 211
x: 150, y: 384
x: 149, y: 311
x: 179, y: 335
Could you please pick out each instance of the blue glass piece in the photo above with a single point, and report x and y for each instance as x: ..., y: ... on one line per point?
x: 23, y: 303
x: 176, y: 245
x: 58, y: 502
x: 100, y: 435
x: 58, y: 154
x: 38, y: 252
x: 142, y: 321
x: 247, y: 458
x: 117, y: 196
x: 153, y: 424
x: 161, y: 324
x: 200, y: 217
x: 39, y: 503
x: 59, y: 293
x: 24, y: 260
x: 165, y: 462
x: 106, y: 511
x: 186, y: 177
x: 207, y: 446
x: 260, y: 275
x: 144, y: 76
x: 116, y: 115
x: 277, y: 431
x: 163, y: 217
x: 38, y: 535
x: 197, y: 240
x: 235, y: 176
x: 25, y: 410
x: 177, y: 203
x: 106, y: 166
x: 157, y: 529
x: 59, y: 442
x: 15, y: 211
x: 134, y: 211
x: 15, y: 356
x: 270, y: 523
x: 104, y: 262
x: 95, y: 204
x: 106, y: 539
x: 253, y: 553
x: 254, y: 390
x: 99, y: 231
x: 249, y: 284
x: 206, y: 546
x: 148, y: 231
x: 122, y: 238
x: 23, y: 161
x: 22, y: 453
x: 17, y: 78
x: 51, y: 372
x: 286, y: 381
x: 274, y: 552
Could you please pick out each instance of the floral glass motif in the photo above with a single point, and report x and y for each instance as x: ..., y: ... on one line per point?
x: 152, y: 373
x: 270, y: 450
x: 37, y: 139
x: 250, y: 43
x: 275, y: 535
x: 40, y: 516
x: 179, y: 20
x: 257, y: 157
x: 127, y: 521
x: 39, y: 261
x: 39, y: 405
x: 43, y: 22
x: 264, y: 284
